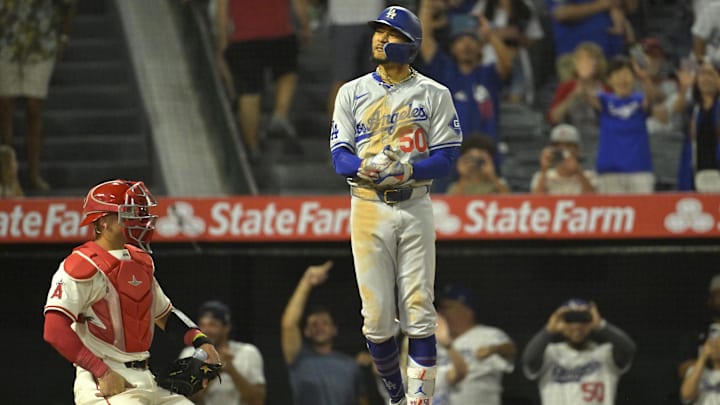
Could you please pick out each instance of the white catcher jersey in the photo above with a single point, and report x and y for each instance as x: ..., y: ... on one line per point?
x: 95, y: 301
x: 572, y: 377
x: 413, y: 117
x: 483, y: 383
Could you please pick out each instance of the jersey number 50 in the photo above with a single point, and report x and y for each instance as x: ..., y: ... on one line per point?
x: 593, y: 391
x: 413, y: 139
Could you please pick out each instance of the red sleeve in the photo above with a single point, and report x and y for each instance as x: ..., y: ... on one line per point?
x: 60, y: 336
x: 561, y: 93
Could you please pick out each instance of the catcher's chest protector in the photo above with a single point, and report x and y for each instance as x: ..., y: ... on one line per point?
x: 127, y: 306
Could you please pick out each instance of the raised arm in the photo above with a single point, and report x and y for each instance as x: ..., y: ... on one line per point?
x: 690, y: 387
x: 623, y: 346
x: 432, y: 17
x: 534, y: 353
x: 504, y: 55
x: 291, y: 339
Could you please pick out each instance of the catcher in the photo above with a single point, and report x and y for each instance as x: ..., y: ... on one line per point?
x: 104, y: 302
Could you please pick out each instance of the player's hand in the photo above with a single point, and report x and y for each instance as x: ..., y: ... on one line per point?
x: 556, y: 324
x: 316, y: 275
x: 213, y: 358
x: 111, y: 384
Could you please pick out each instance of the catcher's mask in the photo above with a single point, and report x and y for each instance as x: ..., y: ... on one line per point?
x: 131, y: 201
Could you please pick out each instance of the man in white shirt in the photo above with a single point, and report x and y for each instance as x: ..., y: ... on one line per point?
x: 488, y: 351
x: 243, y: 379
x: 560, y: 169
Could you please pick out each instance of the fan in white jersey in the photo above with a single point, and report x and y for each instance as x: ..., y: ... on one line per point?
x: 488, y: 351
x: 243, y: 379
x: 393, y: 132
x: 701, y: 385
x: 578, y: 357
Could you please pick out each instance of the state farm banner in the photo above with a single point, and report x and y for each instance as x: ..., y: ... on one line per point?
x: 327, y: 218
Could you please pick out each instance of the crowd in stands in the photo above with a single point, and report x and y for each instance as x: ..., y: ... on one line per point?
x: 615, y: 86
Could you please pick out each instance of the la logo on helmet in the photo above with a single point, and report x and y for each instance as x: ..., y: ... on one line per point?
x: 391, y: 14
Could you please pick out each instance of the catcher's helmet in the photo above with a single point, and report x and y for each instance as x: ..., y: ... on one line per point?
x: 131, y: 200
x: 407, y: 24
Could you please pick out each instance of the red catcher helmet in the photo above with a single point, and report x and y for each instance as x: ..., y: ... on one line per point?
x: 131, y: 200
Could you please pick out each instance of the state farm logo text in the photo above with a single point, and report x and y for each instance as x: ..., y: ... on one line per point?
x: 565, y: 217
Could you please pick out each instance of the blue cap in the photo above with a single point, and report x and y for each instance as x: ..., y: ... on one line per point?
x: 460, y: 293
x: 216, y: 310
x: 408, y: 25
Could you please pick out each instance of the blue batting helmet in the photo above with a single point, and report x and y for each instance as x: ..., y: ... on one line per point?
x: 407, y: 24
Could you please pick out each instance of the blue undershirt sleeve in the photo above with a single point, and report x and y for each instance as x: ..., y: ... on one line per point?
x: 437, y: 165
x: 346, y: 163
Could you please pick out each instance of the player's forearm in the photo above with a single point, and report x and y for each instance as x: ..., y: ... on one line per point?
x: 459, y: 367
x: 437, y: 165
x: 345, y: 162
x: 691, y: 383
x: 534, y: 352
x: 623, y: 346
x: 507, y: 350
x: 504, y: 55
x: 59, y: 334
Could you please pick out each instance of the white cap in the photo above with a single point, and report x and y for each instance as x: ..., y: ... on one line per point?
x: 565, y: 133
x: 715, y: 283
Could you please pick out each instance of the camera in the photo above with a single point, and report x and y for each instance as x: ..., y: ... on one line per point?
x: 582, y: 316
x: 558, y: 155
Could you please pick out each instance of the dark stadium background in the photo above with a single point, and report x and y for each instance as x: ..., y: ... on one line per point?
x: 655, y: 290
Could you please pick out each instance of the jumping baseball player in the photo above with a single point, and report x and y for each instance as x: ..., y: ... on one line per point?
x: 394, y: 131
x: 585, y: 366
x: 104, y: 303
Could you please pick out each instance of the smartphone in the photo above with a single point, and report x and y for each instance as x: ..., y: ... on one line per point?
x: 638, y: 55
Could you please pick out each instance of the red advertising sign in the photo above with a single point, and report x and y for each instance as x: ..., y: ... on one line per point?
x: 327, y: 218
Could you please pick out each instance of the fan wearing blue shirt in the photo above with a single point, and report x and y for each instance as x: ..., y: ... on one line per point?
x: 475, y: 88
x: 624, y: 163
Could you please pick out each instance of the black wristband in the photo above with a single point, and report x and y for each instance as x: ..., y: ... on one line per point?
x: 200, y: 340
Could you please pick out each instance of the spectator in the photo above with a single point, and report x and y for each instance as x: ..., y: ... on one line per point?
x: 701, y: 385
x: 476, y: 169
x: 700, y: 159
x: 624, y: 163
x: 569, y: 104
x: 9, y: 184
x: 585, y: 365
x: 33, y: 34
x: 318, y: 374
x: 452, y: 367
x: 254, y: 42
x: 349, y: 41
x: 475, y: 87
x: 243, y: 379
x: 517, y: 23
x: 488, y: 351
x: 706, y: 31
x: 560, y: 168
x: 577, y: 21
x: 692, y: 349
x: 650, y: 55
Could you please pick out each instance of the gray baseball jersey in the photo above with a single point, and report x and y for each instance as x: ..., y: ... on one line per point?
x: 394, y: 244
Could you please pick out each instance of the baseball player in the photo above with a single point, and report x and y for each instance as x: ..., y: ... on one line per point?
x: 104, y: 302
x: 394, y: 131
x: 585, y: 366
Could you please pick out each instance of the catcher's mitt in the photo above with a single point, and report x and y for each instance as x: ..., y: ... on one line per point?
x: 185, y: 376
